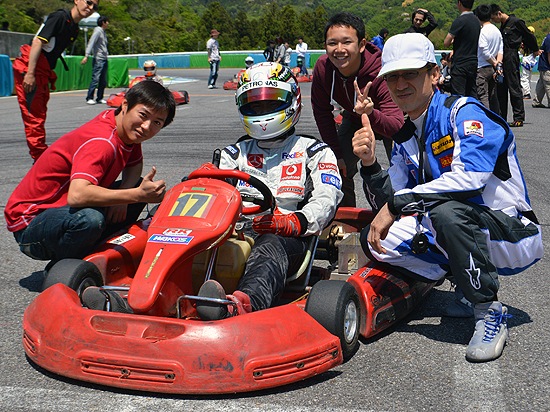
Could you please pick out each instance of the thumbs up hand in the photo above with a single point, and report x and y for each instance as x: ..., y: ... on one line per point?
x: 153, y: 191
x: 364, y: 142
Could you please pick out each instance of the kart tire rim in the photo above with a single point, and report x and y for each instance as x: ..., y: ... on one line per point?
x: 86, y: 282
x: 350, y: 321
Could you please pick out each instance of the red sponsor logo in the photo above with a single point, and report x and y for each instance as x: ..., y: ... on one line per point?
x: 263, y: 126
x: 446, y: 160
x: 291, y: 189
x: 255, y: 160
x: 292, y: 172
x: 328, y: 166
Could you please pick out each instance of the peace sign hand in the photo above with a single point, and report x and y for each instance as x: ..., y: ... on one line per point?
x: 364, y: 103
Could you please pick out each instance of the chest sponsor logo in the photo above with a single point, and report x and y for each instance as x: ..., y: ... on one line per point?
x: 328, y: 166
x: 255, y: 160
x: 330, y: 180
x: 182, y: 240
x: 445, y: 143
x: 292, y: 172
x: 473, y: 127
x: 446, y: 160
x: 294, y: 155
x: 291, y: 189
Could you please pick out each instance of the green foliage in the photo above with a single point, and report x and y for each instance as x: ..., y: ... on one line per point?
x: 184, y: 25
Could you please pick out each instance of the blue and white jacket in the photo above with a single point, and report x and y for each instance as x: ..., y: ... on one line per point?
x: 470, y: 154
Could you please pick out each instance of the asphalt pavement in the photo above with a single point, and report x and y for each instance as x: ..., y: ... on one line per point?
x: 417, y: 365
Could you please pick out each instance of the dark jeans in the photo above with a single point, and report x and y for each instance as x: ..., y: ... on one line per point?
x: 512, y: 84
x: 214, y: 67
x: 463, y: 81
x: 66, y: 232
x: 99, y: 79
x: 486, y: 88
x: 271, y: 260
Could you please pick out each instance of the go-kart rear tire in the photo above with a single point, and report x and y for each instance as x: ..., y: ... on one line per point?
x: 335, y: 305
x: 75, y: 273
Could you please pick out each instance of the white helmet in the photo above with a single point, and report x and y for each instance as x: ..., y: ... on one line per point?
x: 249, y: 61
x: 150, y: 67
x: 269, y: 100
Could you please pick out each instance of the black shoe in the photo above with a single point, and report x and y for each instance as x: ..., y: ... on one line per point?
x: 539, y: 106
x: 96, y: 299
x: 212, y: 310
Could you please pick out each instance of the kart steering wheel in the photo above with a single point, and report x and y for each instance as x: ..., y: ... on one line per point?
x: 261, y: 204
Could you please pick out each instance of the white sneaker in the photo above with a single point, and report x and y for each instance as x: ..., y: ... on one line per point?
x: 102, y: 101
x: 210, y: 86
x: 491, y: 331
x: 91, y: 101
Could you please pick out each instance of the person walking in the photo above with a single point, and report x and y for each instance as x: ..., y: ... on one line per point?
x: 98, y: 45
x: 214, y: 58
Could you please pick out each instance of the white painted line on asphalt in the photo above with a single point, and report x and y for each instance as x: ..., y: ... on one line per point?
x: 478, y: 387
x: 35, y: 399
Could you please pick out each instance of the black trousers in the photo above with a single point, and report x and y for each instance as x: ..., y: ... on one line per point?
x: 512, y: 85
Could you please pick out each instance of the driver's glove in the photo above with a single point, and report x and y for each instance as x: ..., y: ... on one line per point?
x: 291, y: 225
x: 207, y: 166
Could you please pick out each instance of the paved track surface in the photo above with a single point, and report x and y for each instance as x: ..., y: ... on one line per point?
x: 417, y: 365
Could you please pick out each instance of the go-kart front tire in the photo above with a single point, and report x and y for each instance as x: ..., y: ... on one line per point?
x: 75, y: 273
x: 335, y: 305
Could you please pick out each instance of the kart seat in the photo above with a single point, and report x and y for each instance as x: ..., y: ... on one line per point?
x: 304, y: 271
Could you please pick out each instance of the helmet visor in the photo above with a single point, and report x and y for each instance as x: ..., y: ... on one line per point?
x: 263, y: 100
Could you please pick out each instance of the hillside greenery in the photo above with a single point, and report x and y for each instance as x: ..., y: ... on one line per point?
x: 183, y: 25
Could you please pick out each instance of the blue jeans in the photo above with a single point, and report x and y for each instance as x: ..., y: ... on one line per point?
x: 214, y: 67
x: 99, y: 79
x: 66, y: 232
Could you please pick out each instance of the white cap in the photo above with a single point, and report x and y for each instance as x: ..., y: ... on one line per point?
x: 406, y: 51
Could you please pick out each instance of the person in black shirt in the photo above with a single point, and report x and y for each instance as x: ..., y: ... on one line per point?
x: 418, y: 18
x: 464, y: 36
x: 269, y: 50
x: 514, y: 33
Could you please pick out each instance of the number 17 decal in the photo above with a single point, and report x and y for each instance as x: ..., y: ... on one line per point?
x: 192, y: 205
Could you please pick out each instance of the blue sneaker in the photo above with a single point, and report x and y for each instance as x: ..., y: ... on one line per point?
x: 490, y: 333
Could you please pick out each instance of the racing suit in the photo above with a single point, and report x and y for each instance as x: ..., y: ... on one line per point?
x: 467, y: 191
x: 303, y: 177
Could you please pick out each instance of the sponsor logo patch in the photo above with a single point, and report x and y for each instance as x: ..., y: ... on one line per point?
x: 328, y: 166
x: 473, y: 127
x: 330, y: 180
x: 446, y: 160
x: 182, y: 240
x: 122, y: 239
x: 177, y: 232
x: 291, y: 189
x: 231, y: 149
x: 255, y: 160
x: 292, y: 172
x: 445, y: 143
x: 294, y: 155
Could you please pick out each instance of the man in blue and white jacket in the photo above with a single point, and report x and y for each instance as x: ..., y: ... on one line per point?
x: 454, y: 198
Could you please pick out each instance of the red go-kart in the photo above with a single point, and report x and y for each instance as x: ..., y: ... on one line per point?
x: 159, y: 264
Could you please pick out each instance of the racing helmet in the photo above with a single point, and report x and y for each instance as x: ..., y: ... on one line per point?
x: 249, y: 61
x: 150, y: 67
x: 531, y: 29
x: 269, y: 100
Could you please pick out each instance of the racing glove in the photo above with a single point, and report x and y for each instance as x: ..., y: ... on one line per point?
x: 207, y: 166
x: 291, y: 225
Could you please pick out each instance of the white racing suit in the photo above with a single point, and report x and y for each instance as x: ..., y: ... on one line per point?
x: 303, y: 177
x: 471, y: 198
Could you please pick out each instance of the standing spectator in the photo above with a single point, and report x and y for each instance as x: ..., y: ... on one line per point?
x: 418, y: 18
x: 98, y: 44
x: 5, y: 26
x: 527, y: 63
x: 33, y: 71
x: 214, y: 58
x: 301, y: 49
x: 347, y: 76
x: 464, y: 36
x: 444, y: 82
x: 514, y: 32
x: 269, y: 50
x: 543, y: 84
x: 279, y: 54
x: 288, y: 55
x: 489, y: 59
x: 378, y: 41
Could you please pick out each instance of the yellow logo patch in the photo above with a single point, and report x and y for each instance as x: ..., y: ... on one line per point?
x: 445, y: 143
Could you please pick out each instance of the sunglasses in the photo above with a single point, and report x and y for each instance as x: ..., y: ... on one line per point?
x: 91, y: 4
x: 408, y: 75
